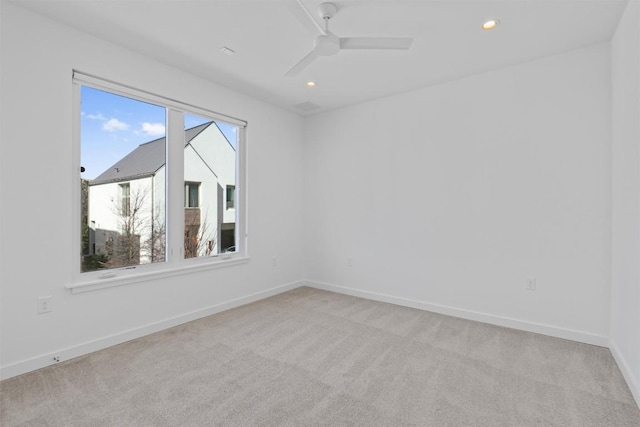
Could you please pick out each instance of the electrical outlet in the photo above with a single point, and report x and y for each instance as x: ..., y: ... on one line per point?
x: 45, y: 305
x: 274, y: 262
x: 56, y: 358
x: 530, y: 284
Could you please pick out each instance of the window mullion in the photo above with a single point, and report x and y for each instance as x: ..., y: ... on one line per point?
x: 175, y: 185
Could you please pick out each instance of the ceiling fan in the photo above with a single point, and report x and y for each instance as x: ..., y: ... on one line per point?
x: 328, y: 44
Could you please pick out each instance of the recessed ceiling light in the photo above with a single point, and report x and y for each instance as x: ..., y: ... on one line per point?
x: 227, y: 51
x: 311, y: 84
x: 490, y: 24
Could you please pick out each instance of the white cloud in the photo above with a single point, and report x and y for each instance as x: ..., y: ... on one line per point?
x: 153, y: 129
x: 113, y: 125
x: 98, y: 116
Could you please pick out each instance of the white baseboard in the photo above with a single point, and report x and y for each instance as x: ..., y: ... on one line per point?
x: 44, y: 360
x: 632, y: 381
x: 554, y: 331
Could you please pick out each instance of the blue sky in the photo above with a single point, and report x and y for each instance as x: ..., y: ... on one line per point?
x: 112, y: 126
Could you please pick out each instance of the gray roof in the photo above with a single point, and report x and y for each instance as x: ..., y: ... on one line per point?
x: 144, y: 161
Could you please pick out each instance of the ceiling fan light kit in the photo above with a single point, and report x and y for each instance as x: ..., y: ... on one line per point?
x: 328, y: 44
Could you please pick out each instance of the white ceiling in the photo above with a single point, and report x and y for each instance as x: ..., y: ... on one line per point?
x: 270, y: 36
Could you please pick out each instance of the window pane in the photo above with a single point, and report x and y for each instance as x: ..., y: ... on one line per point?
x: 122, y: 145
x: 125, y: 202
x: 231, y: 196
x: 191, y: 192
x: 209, y: 161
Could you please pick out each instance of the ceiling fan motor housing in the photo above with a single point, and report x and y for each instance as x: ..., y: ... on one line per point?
x: 327, y: 45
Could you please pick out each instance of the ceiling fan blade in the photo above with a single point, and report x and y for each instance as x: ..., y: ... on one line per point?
x: 304, y: 62
x: 375, y: 42
x: 304, y: 17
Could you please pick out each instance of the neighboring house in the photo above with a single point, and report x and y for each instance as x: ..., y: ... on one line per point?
x: 126, y: 214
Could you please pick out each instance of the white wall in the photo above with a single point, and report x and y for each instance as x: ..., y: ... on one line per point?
x: 196, y: 170
x: 448, y: 197
x: 625, y: 289
x: 220, y: 156
x: 104, y: 210
x: 36, y: 176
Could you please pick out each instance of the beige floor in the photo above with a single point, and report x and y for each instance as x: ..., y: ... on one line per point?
x: 311, y: 357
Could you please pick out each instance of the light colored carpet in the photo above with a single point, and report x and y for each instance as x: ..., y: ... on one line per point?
x: 309, y: 357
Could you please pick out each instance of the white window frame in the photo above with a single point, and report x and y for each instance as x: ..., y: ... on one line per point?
x: 175, y: 263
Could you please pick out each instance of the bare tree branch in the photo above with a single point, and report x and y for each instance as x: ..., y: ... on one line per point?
x: 199, y: 240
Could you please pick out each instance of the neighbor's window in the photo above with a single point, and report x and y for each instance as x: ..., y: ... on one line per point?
x: 125, y: 200
x: 231, y: 196
x: 127, y: 147
x: 191, y: 194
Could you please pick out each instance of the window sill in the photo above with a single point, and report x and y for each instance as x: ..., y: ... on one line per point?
x: 96, y: 284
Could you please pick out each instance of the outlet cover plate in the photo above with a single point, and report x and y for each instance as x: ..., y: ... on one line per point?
x: 530, y: 284
x: 45, y: 305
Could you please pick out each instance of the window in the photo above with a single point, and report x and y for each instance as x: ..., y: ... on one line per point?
x: 191, y: 194
x: 122, y: 156
x: 231, y: 196
x: 132, y: 215
x: 125, y: 200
